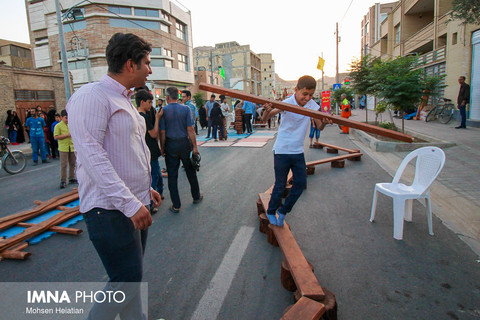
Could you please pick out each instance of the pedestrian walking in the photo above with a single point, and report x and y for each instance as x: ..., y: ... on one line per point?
x: 249, y: 108
x: 208, y: 107
x: 288, y: 148
x: 187, y: 100
x: 178, y: 141
x: 463, y: 100
x: 144, y: 100
x: 225, y: 116
x: 66, y: 151
x: 217, y: 121
x: 346, y: 112
x: 35, y: 125
x: 202, y: 117
x: 114, y: 171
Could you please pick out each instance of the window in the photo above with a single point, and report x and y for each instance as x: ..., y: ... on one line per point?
x: 161, y: 63
x: 164, y: 28
x: 182, y: 62
x: 24, y: 95
x: 167, y: 52
x: 383, y: 16
x: 138, y: 24
x: 181, y: 31
x: 397, y: 34
x: 120, y: 10
x: 156, y: 52
x: 74, y: 26
x: 454, y: 38
x: 34, y: 95
x: 146, y: 12
x: 45, y: 95
x: 80, y: 64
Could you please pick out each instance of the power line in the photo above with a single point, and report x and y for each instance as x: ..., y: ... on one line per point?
x: 346, y: 11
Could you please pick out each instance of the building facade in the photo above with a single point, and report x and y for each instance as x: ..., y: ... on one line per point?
x: 267, y: 75
x: 443, y: 46
x: 241, y: 66
x: 90, y: 24
x: 15, y: 54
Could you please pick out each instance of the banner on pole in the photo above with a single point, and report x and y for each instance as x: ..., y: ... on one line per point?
x: 321, y: 63
x: 326, y: 101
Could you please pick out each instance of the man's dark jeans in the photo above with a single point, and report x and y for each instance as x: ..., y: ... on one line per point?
x: 209, y: 126
x: 177, y: 150
x: 463, y: 114
x: 121, y: 250
x: 283, y: 163
x: 247, y: 119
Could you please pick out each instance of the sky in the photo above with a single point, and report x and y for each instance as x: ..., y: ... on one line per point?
x: 295, y: 32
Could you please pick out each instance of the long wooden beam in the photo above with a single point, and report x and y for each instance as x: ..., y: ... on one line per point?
x: 307, y: 112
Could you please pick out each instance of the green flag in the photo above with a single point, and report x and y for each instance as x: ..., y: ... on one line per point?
x: 222, y: 73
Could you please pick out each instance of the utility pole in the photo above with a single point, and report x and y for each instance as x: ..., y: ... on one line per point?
x: 337, y: 40
x: 63, y: 52
x: 323, y: 82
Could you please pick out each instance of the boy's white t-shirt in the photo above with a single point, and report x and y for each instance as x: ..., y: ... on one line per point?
x: 293, y: 129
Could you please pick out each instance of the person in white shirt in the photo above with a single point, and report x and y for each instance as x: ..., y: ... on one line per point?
x: 288, y: 148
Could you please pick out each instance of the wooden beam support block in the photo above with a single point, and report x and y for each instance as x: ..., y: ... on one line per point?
x: 310, y: 170
x: 263, y: 223
x: 271, y: 236
x: 332, y: 150
x: 301, y: 271
x: 260, y: 209
x: 15, y: 255
x: 305, y: 309
x: 317, y: 146
x: 338, y: 164
x: 322, y: 144
x: 357, y: 158
x: 327, y: 160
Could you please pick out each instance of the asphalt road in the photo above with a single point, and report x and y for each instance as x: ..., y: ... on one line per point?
x: 211, y: 256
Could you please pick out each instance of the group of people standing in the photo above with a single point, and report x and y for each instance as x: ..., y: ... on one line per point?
x: 14, y: 128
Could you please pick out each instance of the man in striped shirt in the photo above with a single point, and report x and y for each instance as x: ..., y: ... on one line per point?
x: 113, y: 170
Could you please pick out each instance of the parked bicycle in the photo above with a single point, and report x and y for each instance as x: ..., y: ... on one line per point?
x: 12, y: 161
x: 442, y: 111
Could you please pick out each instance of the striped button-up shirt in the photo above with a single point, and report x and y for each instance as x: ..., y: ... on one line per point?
x: 113, y: 160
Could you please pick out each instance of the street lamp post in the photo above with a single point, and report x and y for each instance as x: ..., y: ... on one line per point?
x: 63, y: 52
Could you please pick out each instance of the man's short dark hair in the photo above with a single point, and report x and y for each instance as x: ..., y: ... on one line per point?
x: 142, y: 95
x: 172, y: 92
x: 122, y: 47
x: 463, y: 77
x: 212, y: 96
x: 63, y: 113
x: 187, y: 93
x: 306, y: 82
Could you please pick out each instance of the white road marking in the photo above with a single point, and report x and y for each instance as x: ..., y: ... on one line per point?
x: 212, y: 300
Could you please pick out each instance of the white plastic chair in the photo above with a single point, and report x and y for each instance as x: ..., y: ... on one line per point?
x: 430, y: 161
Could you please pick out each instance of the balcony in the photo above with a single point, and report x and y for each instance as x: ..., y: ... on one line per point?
x: 421, y: 41
x: 432, y: 57
x: 419, y: 6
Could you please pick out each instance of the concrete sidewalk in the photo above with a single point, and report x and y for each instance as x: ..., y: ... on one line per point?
x: 455, y: 194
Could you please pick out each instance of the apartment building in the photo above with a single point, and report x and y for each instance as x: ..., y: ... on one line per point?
x: 445, y: 47
x: 88, y: 25
x: 15, y: 54
x: 267, y: 75
x: 241, y: 66
x: 371, y: 26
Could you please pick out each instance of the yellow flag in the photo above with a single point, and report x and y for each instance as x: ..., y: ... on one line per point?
x: 321, y: 63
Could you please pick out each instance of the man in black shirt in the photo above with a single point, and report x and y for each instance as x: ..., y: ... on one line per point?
x: 144, y: 99
x: 463, y: 100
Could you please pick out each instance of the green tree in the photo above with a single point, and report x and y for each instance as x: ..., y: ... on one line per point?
x: 338, y: 93
x: 197, y: 98
x: 360, y: 75
x: 396, y: 82
x: 468, y: 11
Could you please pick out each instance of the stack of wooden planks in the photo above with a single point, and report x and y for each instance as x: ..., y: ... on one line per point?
x: 11, y: 248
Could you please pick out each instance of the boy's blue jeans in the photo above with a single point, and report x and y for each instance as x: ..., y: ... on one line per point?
x: 283, y: 163
x: 38, y: 143
x: 157, y: 179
